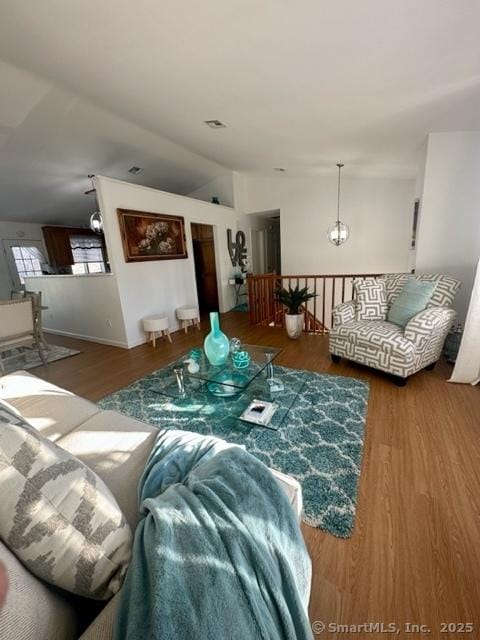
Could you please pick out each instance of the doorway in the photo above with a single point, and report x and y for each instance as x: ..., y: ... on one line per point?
x: 205, y: 266
x: 266, y: 243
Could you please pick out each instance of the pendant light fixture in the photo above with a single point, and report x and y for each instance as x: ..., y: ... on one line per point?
x: 338, y: 232
x: 96, y: 220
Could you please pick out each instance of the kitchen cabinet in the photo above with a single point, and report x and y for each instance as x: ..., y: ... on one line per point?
x: 57, y: 242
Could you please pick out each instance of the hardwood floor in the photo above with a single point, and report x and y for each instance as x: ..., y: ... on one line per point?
x: 414, y: 556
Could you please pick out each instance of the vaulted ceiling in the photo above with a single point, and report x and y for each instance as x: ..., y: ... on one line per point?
x: 51, y: 139
x: 100, y: 86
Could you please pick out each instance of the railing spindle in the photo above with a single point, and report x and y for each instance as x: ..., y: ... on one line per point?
x: 305, y: 312
x: 333, y: 302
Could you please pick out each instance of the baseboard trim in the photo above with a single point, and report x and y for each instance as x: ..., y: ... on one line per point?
x: 144, y: 340
x: 138, y: 342
x: 111, y: 343
x: 80, y: 336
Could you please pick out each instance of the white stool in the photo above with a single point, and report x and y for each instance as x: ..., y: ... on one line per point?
x: 156, y: 324
x: 188, y: 315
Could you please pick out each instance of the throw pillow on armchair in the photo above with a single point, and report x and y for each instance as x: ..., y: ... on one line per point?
x: 371, y: 299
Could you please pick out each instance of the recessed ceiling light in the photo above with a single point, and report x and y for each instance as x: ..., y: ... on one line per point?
x: 279, y: 169
x: 215, y: 124
x: 135, y: 170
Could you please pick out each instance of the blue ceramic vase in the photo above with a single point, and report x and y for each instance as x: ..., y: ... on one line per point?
x: 216, y: 345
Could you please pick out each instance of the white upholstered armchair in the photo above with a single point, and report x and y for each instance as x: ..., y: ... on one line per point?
x: 386, y: 346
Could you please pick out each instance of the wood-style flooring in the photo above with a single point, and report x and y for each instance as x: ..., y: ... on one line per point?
x: 414, y: 556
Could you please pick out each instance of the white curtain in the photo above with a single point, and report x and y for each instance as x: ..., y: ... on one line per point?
x: 467, y: 366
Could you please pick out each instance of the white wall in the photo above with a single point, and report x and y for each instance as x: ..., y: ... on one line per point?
x: 85, y: 307
x: 221, y: 187
x: 378, y: 210
x: 449, y: 230
x: 161, y: 286
x: 14, y: 231
x: 419, y: 181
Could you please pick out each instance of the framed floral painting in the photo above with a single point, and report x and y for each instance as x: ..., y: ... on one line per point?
x: 151, y: 236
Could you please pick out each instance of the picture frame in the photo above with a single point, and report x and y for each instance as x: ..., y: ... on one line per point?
x: 150, y: 236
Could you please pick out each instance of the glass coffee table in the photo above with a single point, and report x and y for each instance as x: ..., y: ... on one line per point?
x: 226, y: 391
x: 226, y: 380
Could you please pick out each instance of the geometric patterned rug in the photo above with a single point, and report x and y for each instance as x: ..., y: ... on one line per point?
x: 29, y: 358
x: 320, y: 441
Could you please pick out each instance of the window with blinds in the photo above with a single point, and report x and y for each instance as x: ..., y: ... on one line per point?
x: 87, y: 254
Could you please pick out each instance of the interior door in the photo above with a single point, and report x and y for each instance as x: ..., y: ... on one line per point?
x: 206, y: 274
x: 24, y: 258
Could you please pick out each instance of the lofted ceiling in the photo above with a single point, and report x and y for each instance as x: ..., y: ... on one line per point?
x: 101, y: 86
x: 51, y: 139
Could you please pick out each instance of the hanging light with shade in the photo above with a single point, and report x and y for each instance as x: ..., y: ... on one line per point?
x: 338, y: 232
x: 96, y: 220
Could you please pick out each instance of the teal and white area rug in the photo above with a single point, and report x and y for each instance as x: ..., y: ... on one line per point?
x: 319, y: 442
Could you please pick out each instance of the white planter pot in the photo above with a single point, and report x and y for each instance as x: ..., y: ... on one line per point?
x: 294, y: 325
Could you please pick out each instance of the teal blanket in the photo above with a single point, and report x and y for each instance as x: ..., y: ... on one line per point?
x: 218, y: 553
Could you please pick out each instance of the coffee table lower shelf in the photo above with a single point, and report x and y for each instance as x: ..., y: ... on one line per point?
x: 198, y: 399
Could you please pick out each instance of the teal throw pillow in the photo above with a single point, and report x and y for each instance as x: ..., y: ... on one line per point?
x: 412, y: 299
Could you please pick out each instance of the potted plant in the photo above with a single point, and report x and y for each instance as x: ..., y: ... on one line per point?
x: 293, y: 299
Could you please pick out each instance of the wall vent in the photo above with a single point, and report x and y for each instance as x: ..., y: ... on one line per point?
x: 215, y: 124
x: 135, y: 170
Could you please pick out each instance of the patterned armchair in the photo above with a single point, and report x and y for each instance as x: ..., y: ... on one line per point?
x: 386, y: 346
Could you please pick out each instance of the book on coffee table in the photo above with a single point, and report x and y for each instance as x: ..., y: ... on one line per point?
x: 259, y: 412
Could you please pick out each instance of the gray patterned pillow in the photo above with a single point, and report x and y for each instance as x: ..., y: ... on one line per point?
x: 443, y: 295
x: 58, y: 517
x: 11, y: 415
x: 394, y: 283
x: 371, y: 300
x: 445, y: 291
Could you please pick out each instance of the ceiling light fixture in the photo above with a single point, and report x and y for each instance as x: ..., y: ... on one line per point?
x: 96, y: 220
x: 215, y: 124
x: 338, y: 232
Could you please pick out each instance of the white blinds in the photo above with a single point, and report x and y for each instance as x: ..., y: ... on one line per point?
x: 86, y: 248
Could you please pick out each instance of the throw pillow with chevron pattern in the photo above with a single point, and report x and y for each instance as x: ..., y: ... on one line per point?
x: 371, y: 299
x: 58, y: 517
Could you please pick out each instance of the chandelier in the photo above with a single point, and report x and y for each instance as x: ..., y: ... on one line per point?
x: 338, y: 232
x: 96, y: 220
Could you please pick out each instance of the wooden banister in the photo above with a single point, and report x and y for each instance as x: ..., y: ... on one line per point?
x: 330, y: 290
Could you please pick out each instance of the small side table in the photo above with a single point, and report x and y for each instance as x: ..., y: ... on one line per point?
x: 238, y: 284
x: 153, y: 325
x: 188, y: 315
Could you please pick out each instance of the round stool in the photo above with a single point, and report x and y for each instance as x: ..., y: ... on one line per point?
x: 188, y: 315
x: 156, y: 324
